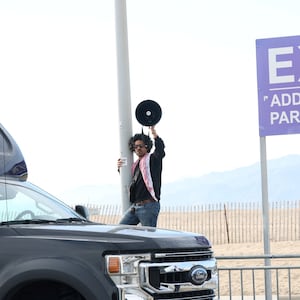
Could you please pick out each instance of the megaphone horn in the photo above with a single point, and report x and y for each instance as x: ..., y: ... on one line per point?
x: 148, y: 113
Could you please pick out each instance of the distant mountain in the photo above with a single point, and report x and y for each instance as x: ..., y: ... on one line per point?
x: 239, y: 185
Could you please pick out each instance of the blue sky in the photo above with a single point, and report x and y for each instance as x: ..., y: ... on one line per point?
x: 59, y: 94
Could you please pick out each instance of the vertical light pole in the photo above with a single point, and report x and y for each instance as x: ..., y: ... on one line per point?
x: 125, y: 119
x: 265, y: 210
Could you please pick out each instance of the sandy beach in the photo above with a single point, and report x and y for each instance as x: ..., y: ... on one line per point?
x: 287, y: 247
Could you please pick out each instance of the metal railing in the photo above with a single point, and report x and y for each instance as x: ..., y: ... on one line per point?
x: 252, y: 278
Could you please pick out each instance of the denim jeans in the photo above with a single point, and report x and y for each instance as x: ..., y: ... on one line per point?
x: 146, y: 214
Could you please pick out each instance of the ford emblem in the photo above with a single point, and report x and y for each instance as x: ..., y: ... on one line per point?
x: 198, y: 275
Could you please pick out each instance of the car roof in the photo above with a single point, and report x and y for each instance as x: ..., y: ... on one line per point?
x: 12, y: 163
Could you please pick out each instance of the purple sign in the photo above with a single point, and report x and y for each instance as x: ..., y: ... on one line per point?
x: 278, y: 80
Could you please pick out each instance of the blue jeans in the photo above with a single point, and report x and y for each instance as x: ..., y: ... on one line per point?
x: 146, y: 214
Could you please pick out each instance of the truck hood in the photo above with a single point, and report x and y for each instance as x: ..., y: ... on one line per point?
x: 115, y: 234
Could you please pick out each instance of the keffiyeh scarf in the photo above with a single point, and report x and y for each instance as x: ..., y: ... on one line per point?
x: 146, y: 174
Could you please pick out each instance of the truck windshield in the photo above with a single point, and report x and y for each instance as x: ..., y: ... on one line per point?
x: 22, y: 201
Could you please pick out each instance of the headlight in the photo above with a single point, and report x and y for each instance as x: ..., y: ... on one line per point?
x: 124, y: 271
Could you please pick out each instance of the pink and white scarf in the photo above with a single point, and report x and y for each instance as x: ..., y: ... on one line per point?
x: 146, y: 174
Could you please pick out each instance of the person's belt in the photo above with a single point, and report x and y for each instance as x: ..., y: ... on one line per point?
x: 143, y: 202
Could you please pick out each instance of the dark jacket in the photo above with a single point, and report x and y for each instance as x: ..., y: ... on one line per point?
x: 156, y: 165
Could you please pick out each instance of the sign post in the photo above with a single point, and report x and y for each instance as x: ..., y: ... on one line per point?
x: 278, y: 80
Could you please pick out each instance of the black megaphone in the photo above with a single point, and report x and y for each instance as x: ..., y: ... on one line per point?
x: 148, y: 113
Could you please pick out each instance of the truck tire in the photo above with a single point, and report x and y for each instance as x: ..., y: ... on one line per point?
x: 47, y: 291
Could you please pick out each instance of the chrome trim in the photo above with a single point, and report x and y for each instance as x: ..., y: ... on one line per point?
x: 171, y: 268
x: 183, y: 254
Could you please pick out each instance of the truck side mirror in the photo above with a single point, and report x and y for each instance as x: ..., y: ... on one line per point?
x: 82, y: 210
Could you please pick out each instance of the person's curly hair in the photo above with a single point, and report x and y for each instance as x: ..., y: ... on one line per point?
x: 140, y: 137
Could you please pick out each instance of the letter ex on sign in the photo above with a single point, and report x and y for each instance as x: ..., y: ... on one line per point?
x: 278, y: 80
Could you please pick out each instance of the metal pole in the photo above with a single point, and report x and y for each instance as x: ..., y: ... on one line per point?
x: 125, y: 119
x: 265, y: 209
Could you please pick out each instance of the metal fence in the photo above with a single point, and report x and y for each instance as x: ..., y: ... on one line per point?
x: 221, y: 223
x: 252, y: 278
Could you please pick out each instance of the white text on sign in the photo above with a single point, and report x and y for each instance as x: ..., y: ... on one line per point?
x: 283, y: 99
x: 275, y: 64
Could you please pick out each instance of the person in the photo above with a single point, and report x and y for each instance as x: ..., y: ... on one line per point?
x: 145, y: 187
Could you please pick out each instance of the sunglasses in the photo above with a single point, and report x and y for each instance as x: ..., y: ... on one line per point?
x: 139, y: 146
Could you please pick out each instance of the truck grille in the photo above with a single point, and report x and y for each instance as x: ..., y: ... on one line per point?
x: 180, y: 275
x: 156, y: 278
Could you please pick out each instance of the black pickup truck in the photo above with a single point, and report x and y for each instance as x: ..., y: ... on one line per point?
x: 48, y: 251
